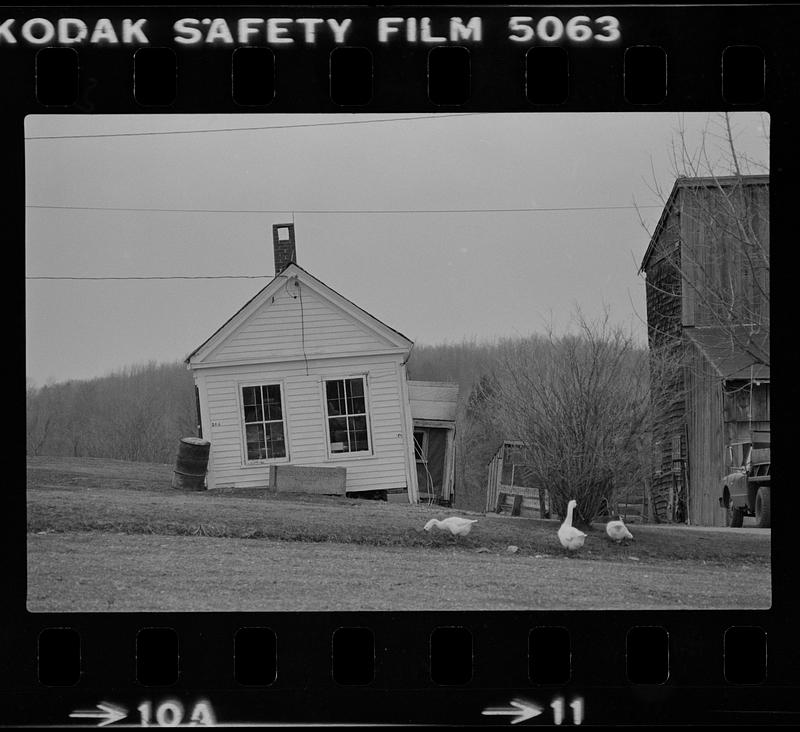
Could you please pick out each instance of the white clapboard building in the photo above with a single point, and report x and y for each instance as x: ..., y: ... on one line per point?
x: 302, y: 376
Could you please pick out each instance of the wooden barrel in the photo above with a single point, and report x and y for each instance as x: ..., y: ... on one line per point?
x: 191, y: 464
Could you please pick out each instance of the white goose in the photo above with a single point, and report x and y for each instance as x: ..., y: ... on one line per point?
x: 618, y: 531
x: 570, y: 537
x: 455, y: 525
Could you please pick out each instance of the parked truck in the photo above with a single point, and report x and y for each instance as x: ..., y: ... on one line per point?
x: 746, y: 489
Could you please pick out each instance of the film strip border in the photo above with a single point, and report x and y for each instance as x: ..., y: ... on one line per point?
x: 731, y: 666
x: 363, y: 59
x: 352, y: 76
x: 395, y: 669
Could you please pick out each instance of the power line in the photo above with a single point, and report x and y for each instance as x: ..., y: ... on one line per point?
x: 248, y: 129
x: 341, y: 211
x: 167, y: 277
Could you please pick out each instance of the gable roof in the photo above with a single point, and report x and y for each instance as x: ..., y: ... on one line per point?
x: 699, y: 182
x: 727, y: 356
x: 395, y: 338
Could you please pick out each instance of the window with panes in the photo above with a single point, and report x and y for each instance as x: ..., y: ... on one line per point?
x: 346, y: 411
x: 264, y: 426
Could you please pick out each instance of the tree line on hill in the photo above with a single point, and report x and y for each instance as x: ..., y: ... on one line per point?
x: 579, y: 400
x: 139, y: 413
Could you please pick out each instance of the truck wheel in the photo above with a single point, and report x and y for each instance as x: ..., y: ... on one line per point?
x: 763, y: 518
x: 735, y: 516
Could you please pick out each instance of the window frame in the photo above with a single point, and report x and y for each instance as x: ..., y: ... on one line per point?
x: 246, y: 460
x: 360, y: 454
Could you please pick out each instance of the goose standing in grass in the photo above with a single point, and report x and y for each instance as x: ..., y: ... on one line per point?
x: 456, y: 525
x: 570, y: 537
x: 618, y: 531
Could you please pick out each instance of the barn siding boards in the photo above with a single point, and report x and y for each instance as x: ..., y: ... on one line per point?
x: 721, y: 411
x: 706, y: 470
x: 664, y: 298
x: 694, y: 248
x: 713, y: 255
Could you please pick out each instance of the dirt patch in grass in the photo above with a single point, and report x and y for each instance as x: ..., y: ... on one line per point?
x: 95, y: 572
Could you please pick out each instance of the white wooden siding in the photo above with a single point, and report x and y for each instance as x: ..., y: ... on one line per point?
x: 305, y: 418
x: 284, y: 327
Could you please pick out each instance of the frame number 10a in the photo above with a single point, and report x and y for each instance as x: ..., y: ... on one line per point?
x: 171, y: 713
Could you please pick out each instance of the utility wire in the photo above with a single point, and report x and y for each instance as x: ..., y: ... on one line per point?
x: 168, y: 277
x: 249, y: 129
x: 343, y: 211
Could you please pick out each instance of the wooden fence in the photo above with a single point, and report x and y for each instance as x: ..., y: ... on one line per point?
x: 511, y: 489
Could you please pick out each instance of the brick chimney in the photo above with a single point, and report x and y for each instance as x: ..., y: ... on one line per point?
x: 283, y: 246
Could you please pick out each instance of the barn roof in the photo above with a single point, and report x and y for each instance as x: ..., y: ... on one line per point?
x: 270, y: 288
x: 699, y: 182
x: 726, y: 353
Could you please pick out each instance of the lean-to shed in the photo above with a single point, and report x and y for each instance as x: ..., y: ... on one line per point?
x: 433, y: 413
x: 707, y: 285
x: 302, y: 376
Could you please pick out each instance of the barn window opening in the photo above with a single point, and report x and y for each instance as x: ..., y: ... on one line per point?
x: 346, y: 406
x: 264, y: 427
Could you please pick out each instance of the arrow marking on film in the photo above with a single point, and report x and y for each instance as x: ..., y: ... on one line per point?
x: 521, y: 712
x: 107, y: 712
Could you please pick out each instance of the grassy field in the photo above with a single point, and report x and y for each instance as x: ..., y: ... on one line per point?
x: 112, y: 535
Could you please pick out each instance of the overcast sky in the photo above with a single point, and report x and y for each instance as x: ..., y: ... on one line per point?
x: 435, y: 276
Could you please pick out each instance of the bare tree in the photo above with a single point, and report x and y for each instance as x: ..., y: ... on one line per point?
x: 39, y: 418
x: 138, y: 413
x: 724, y: 258
x: 478, y: 434
x: 579, y: 403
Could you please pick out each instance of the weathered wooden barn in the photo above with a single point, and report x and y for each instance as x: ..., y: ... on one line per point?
x: 707, y: 285
x: 302, y: 376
